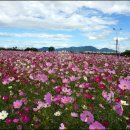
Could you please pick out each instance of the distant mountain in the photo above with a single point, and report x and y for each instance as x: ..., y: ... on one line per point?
x: 80, y: 49
x: 106, y: 50
x: 43, y: 49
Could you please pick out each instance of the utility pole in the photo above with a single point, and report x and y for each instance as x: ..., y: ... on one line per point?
x: 117, y: 40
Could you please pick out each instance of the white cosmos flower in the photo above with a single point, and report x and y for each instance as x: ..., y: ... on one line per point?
x: 84, y: 107
x: 11, y: 79
x: 85, y: 78
x: 3, y: 115
x: 58, y: 113
x: 124, y: 103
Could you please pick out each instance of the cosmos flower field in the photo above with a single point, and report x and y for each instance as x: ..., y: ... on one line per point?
x: 50, y: 90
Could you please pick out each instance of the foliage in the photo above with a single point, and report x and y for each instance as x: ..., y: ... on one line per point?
x: 126, y: 53
x: 51, y: 49
x: 54, y: 90
x: 31, y: 49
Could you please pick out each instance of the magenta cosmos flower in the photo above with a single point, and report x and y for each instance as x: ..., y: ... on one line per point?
x: 57, y: 89
x: 24, y: 118
x: 124, y: 84
x: 96, y: 126
x: 5, y: 98
x: 17, y: 104
x: 8, y: 121
x: 97, y: 79
x: 87, y: 117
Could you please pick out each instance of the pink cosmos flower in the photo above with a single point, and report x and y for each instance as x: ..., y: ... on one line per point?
x: 118, y: 108
x: 74, y: 69
x: 73, y: 78
x: 5, y: 81
x: 87, y: 117
x: 124, y: 84
x: 62, y: 126
x: 66, y: 99
x: 104, y: 94
x: 17, y: 104
x: 48, y: 98
x: 41, y: 77
x: 53, y: 81
x: 57, y: 99
x: 48, y: 64
x: 35, y: 109
x: 21, y: 93
x: 66, y: 90
x: 96, y: 126
x: 51, y: 71
x: 65, y: 80
x: 24, y: 100
x: 15, y: 120
x: 74, y: 114
x: 86, y: 66
x: 41, y: 105
x: 108, y: 96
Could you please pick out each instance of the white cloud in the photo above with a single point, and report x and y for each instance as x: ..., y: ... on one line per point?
x: 36, y: 44
x: 37, y: 35
x: 52, y: 15
x: 93, y: 37
x: 86, y: 16
x: 122, y: 38
x: 98, y: 35
x: 110, y: 7
x: 124, y: 46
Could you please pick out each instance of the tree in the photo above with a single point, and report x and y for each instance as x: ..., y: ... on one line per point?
x: 126, y: 53
x: 31, y: 49
x: 51, y: 49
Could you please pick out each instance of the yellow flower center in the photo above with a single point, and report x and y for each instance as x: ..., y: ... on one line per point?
x: 17, y: 104
x: 66, y: 101
x: 124, y: 85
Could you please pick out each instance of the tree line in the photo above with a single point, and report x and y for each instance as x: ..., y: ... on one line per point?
x: 125, y: 53
x: 27, y: 49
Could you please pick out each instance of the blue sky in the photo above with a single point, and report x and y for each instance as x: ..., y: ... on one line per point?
x: 64, y: 24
